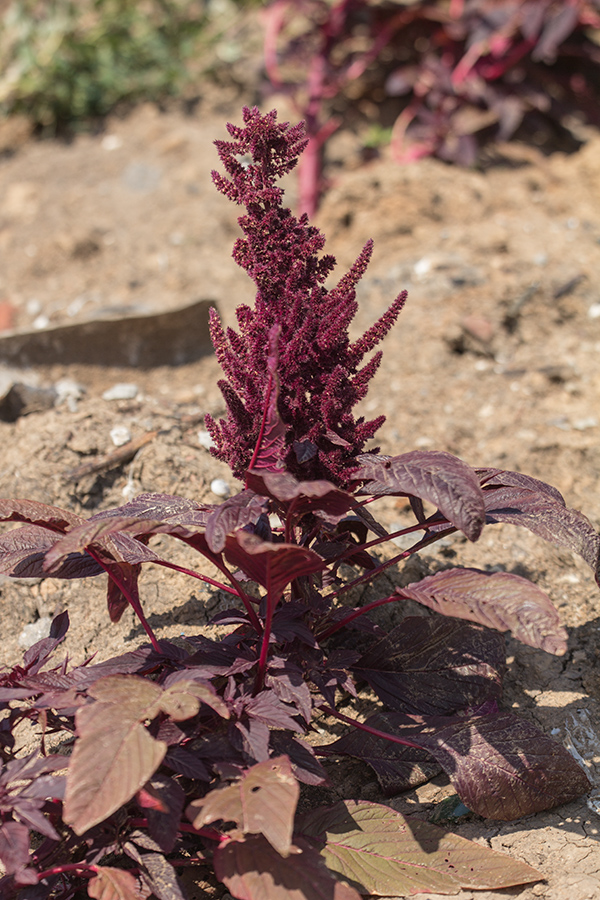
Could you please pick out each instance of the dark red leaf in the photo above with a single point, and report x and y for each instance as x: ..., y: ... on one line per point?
x: 185, y: 762
x: 35, y: 513
x: 164, y: 812
x: 251, y: 737
x: 397, y: 767
x: 14, y: 852
x: 545, y: 514
x: 305, y: 766
x: 498, y: 600
x: 429, y: 666
x: 243, y: 509
x: 501, y: 766
x: 268, y: 708
x: 272, y: 565
x: 558, y: 27
x: 287, y: 681
x: 109, y: 534
x: 38, y: 653
x: 433, y: 475
x: 22, y: 553
x: 160, y: 507
x: 253, y: 870
x: 490, y: 478
x: 319, y: 497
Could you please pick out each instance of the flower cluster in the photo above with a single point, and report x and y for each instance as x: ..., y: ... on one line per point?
x: 321, y: 375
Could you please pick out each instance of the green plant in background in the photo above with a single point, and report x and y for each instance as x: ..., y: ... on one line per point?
x: 67, y: 60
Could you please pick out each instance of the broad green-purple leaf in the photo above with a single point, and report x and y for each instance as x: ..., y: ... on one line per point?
x: 397, y: 767
x: 113, y: 884
x: 433, y: 666
x: 263, y: 801
x: 253, y: 870
x: 433, y: 475
x: 22, y: 553
x: 381, y: 852
x: 162, y: 800
x: 320, y: 497
x: 15, y: 850
x: 128, y: 691
x: 505, y: 478
x: 35, y: 513
x: 546, y: 516
x: 498, y: 600
x: 502, y: 766
x: 111, y: 535
x: 181, y: 699
x: 243, y: 509
x: 161, y: 877
x: 270, y: 564
x: 114, y: 754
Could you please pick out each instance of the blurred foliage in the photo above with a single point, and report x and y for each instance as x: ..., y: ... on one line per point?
x: 443, y: 78
x: 67, y: 60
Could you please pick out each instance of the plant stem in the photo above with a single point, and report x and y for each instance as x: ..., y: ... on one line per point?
x: 372, y: 573
x: 323, y: 635
x: 85, y: 870
x: 133, y: 602
x: 192, y: 574
x: 374, y: 731
x: 264, y: 649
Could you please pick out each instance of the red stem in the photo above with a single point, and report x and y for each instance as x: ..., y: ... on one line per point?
x: 354, y: 615
x: 367, y: 576
x: 264, y: 649
x: 135, y: 604
x: 192, y: 574
x: 374, y: 731
x: 84, y: 870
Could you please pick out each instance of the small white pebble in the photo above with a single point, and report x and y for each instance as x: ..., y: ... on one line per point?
x: 111, y: 142
x: 40, y: 322
x: 68, y: 391
x: 121, y: 391
x: 220, y: 487
x: 120, y: 435
x: 204, y: 439
x: 594, y: 311
x: 34, y: 632
x: 584, y: 424
x: 422, y: 267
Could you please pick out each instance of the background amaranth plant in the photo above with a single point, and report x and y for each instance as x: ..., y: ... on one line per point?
x: 193, y: 754
x: 447, y: 77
